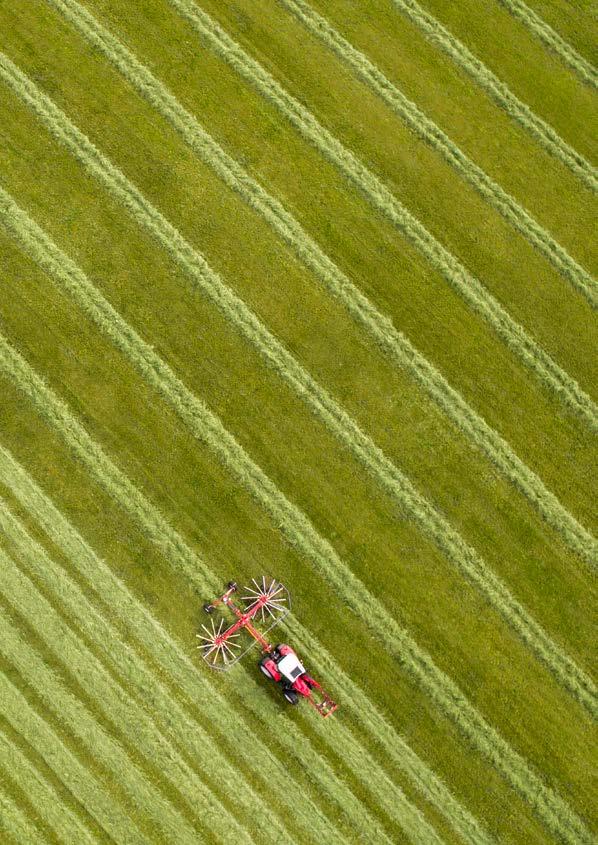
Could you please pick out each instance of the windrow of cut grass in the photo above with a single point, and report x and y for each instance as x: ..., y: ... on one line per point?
x: 550, y: 808
x: 519, y: 111
x: 165, y: 712
x: 377, y: 194
x: 429, y: 132
x: 53, y: 812
x: 208, y: 428
x: 391, y: 342
x: 117, y: 706
x: 566, y: 53
x: 16, y: 825
x: 101, y: 805
x: 152, y: 638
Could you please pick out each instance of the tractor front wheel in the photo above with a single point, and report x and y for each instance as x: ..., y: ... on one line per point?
x: 291, y: 696
x: 265, y: 671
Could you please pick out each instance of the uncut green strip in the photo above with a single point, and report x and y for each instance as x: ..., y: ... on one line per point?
x: 541, y: 131
x: 208, y: 428
x: 16, y: 825
x: 391, y: 342
x: 178, y: 667
x: 58, y: 817
x: 550, y: 808
x: 165, y: 712
x: 86, y: 789
x: 18, y: 591
x: 566, y: 53
x: 553, y: 377
x: 429, y: 132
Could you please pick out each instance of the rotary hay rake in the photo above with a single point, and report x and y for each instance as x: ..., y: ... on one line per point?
x: 265, y: 605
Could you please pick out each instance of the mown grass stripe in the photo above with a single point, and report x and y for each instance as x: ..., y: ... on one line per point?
x: 544, y: 801
x: 428, y: 131
x: 18, y: 591
x: 55, y: 814
x: 517, y: 110
x: 176, y: 665
x: 473, y: 292
x: 208, y: 428
x: 104, y: 808
x: 165, y: 712
x: 391, y: 342
x: 551, y: 39
x: 16, y: 824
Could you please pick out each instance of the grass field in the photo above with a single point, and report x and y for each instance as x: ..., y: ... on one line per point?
x: 304, y: 289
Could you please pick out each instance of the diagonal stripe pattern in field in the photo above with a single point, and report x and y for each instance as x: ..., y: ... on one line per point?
x: 104, y: 808
x: 544, y: 134
x: 479, y: 299
x: 154, y: 642
x: 428, y: 131
x: 550, y: 808
x: 165, y: 712
x: 119, y: 708
x: 566, y: 53
x: 391, y: 342
x: 208, y: 428
x: 168, y: 715
x: 152, y: 638
x: 388, y: 795
x: 56, y: 815
x: 386, y: 804
x: 15, y: 823
x: 373, y: 779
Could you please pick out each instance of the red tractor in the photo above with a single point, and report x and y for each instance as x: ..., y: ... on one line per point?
x: 267, y: 605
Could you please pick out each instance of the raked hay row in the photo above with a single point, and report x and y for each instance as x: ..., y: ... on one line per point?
x: 298, y: 422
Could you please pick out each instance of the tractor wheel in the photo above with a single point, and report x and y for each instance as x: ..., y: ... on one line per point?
x: 209, y: 608
x: 291, y: 696
x: 265, y: 671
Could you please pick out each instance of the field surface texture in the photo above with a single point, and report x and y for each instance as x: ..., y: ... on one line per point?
x: 303, y: 290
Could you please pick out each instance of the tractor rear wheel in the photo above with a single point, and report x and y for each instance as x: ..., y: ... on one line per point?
x: 291, y: 696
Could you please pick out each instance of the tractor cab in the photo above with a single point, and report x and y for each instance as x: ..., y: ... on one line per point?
x: 290, y: 668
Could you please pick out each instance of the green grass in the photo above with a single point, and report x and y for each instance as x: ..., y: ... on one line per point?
x: 174, y: 506
x: 575, y: 22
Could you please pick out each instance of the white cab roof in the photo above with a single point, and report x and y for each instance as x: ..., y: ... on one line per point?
x: 288, y: 667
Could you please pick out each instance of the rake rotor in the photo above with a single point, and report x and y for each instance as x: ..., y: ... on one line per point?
x: 270, y: 601
x: 218, y: 651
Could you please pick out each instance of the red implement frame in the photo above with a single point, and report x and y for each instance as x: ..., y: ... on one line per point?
x: 218, y: 646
